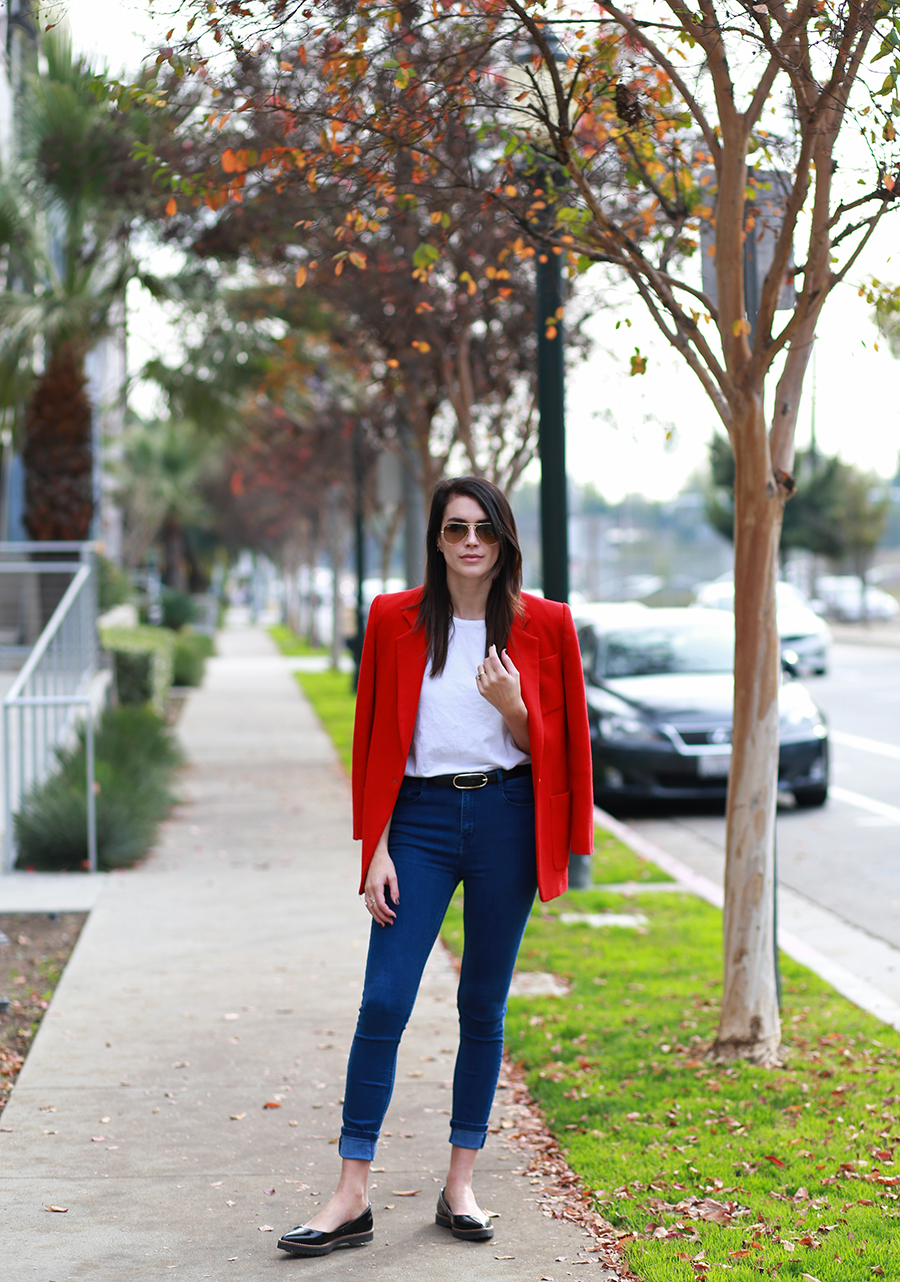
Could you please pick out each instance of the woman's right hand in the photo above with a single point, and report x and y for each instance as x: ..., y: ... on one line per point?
x: 381, y: 874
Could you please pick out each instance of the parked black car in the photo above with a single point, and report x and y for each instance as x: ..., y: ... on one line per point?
x: 659, y: 690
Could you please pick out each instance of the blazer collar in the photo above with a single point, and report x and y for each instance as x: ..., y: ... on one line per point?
x: 412, y: 655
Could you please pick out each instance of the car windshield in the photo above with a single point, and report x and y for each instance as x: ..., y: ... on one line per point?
x: 656, y: 650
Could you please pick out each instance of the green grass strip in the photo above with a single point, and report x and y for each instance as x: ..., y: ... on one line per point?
x: 792, y: 1168
x: 751, y: 1173
x: 290, y: 643
x: 331, y: 695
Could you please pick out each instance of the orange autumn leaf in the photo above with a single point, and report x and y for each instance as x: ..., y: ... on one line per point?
x: 300, y: 278
x: 229, y: 161
x: 171, y: 206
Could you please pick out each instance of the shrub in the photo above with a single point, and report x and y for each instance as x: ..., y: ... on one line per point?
x: 178, y: 609
x: 192, y: 649
x: 144, y: 662
x: 134, y: 757
x: 113, y: 585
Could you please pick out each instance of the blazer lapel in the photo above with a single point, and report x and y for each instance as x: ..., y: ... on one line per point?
x: 412, y: 655
x: 524, y: 650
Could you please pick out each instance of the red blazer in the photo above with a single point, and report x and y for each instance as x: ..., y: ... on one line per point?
x: 544, y: 648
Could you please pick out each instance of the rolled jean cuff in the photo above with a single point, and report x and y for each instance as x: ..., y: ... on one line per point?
x: 359, y: 1148
x: 467, y: 1136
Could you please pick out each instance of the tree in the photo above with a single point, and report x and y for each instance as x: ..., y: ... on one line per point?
x: 606, y: 157
x: 160, y: 476
x: 836, y: 511
x: 66, y: 210
x: 456, y: 360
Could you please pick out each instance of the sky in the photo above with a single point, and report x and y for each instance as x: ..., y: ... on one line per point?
x: 617, y: 426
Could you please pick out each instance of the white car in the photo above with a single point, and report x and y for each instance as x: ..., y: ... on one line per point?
x: 842, y: 594
x: 805, y: 636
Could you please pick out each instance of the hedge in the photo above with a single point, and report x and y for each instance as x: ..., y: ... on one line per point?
x: 145, y: 663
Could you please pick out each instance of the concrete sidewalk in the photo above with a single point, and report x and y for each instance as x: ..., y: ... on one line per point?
x: 221, y: 979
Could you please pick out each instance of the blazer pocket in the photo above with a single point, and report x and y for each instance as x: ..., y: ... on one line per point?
x: 553, y: 693
x: 560, y: 828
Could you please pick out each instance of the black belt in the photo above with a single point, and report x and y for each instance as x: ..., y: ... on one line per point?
x: 467, y: 780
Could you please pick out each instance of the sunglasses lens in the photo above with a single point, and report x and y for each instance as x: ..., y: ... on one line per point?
x: 486, y: 533
x: 455, y: 531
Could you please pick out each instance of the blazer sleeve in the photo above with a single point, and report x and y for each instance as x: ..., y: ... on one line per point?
x: 362, y: 723
x: 578, y: 746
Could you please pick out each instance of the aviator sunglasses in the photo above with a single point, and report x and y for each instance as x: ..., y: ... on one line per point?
x: 456, y: 531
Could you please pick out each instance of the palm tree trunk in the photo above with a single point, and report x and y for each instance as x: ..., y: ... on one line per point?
x: 59, y: 497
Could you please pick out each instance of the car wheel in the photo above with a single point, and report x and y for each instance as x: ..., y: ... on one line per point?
x: 806, y: 798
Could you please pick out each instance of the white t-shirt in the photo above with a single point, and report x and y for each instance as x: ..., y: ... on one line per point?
x: 456, y: 728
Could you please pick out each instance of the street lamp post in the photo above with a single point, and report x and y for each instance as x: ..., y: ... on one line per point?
x: 532, y: 100
x: 551, y: 396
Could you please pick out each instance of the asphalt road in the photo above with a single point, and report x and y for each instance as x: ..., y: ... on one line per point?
x: 846, y: 855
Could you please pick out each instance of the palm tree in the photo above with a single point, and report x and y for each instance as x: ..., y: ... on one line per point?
x: 66, y: 209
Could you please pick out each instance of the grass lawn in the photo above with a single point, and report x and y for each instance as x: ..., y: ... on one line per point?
x: 331, y: 694
x: 736, y: 1172
x: 289, y: 643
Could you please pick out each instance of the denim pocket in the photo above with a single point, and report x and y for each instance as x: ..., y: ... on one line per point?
x: 519, y: 791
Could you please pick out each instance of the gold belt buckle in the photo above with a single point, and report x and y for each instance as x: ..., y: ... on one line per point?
x: 470, y: 774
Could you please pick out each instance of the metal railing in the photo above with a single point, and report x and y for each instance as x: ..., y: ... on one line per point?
x: 52, y: 693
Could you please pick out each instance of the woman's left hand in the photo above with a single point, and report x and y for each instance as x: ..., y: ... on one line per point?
x: 498, y: 681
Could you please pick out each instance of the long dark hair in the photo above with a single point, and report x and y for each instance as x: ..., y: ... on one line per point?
x: 504, y: 602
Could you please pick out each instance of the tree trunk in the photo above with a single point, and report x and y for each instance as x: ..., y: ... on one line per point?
x: 174, y: 571
x: 750, y: 1027
x: 59, y: 486
x: 336, y: 553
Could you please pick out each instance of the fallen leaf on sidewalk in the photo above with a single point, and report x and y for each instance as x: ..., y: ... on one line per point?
x: 51, y: 1132
x: 236, y: 1117
x: 62, y: 1209
x: 266, y: 1228
x: 405, y: 1192
x: 182, y: 1063
x: 414, y: 1072
x: 378, y: 1168
x: 97, y: 1139
x: 218, y: 1184
x: 271, y: 1103
x: 231, y: 1016
x: 504, y: 1257
x: 269, y: 1192
x: 389, y: 1206
x: 104, y: 1121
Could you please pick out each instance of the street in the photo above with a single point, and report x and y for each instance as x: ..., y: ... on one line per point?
x: 846, y: 855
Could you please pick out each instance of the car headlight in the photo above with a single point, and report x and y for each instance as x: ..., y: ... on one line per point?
x: 802, y: 720
x: 624, y: 729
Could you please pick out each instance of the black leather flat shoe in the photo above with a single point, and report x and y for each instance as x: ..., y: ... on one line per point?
x: 468, y: 1228
x: 304, y: 1241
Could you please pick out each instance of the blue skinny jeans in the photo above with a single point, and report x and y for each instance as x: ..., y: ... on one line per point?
x: 440, y: 837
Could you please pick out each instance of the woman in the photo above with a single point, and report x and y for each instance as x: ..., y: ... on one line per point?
x: 471, y: 762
